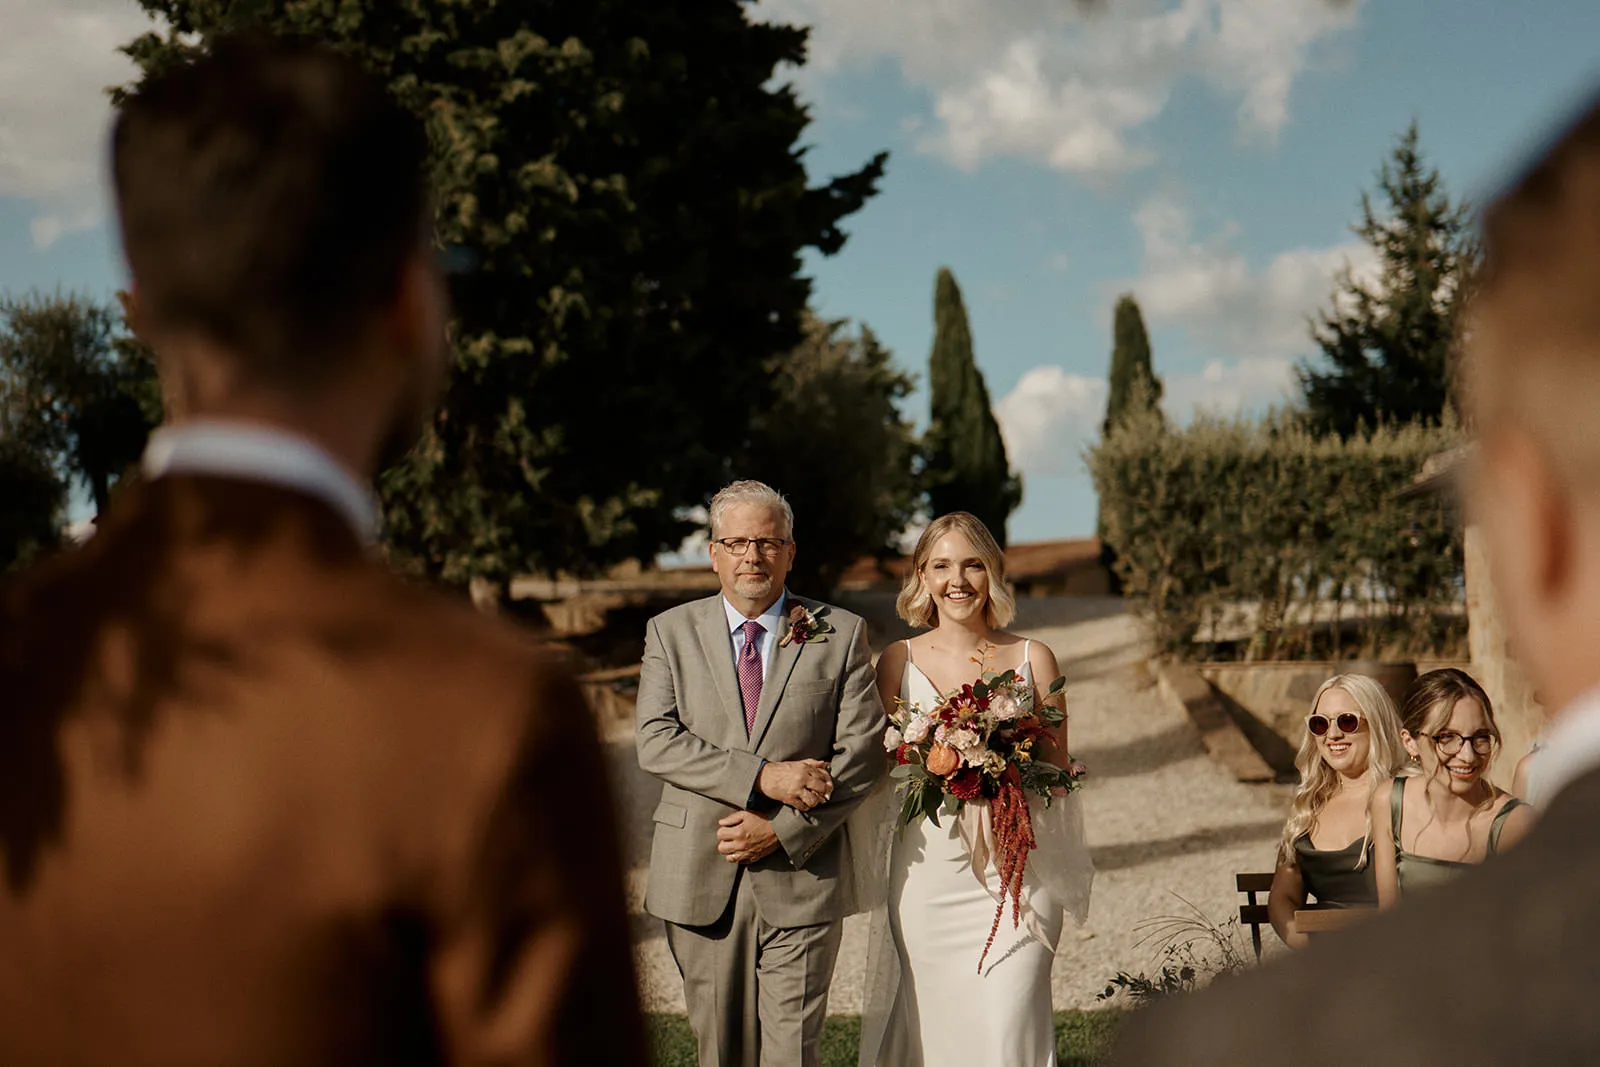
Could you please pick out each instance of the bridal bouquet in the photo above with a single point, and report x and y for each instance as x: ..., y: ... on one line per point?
x: 982, y: 742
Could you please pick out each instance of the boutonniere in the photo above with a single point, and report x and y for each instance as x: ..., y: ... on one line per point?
x: 806, y: 626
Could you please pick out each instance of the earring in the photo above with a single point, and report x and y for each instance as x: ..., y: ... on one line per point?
x: 1414, y: 759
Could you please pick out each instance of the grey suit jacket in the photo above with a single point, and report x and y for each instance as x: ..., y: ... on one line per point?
x: 819, y: 701
x: 1500, y: 967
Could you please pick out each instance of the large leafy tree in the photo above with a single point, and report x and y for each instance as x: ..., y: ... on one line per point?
x: 1387, y: 345
x: 835, y: 443
x: 79, y: 395
x: 628, y: 176
x: 31, y: 498
x: 967, y: 466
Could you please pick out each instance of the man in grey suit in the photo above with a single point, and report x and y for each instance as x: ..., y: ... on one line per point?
x: 764, y: 739
x: 1503, y: 966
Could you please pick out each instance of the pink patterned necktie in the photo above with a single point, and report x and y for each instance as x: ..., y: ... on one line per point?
x: 750, y: 673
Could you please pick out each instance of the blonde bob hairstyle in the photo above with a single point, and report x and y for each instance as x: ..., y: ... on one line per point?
x: 916, y: 607
x: 1318, y: 781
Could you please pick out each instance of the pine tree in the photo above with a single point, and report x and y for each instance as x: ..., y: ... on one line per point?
x: 967, y: 465
x: 1387, y: 346
x: 1130, y: 361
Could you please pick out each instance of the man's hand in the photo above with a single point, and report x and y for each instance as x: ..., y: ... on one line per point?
x: 745, y: 837
x: 801, y: 784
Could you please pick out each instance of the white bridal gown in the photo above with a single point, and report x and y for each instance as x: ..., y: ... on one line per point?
x: 927, y: 1005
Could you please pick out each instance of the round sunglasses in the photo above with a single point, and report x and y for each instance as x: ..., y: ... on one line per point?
x: 1349, y: 722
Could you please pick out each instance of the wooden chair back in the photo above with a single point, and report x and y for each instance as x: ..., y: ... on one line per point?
x: 1253, y: 914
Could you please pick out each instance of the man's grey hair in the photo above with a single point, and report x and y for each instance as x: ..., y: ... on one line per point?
x: 751, y: 492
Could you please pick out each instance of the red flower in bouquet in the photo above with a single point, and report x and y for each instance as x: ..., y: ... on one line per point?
x: 966, y: 784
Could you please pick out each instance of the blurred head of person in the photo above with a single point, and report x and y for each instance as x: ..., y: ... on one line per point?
x: 1532, y: 378
x: 1447, y: 724
x: 276, y: 222
x: 1352, y: 736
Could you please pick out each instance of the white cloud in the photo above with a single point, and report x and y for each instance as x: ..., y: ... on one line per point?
x: 1047, y: 419
x: 57, y: 57
x: 1069, y: 84
x: 1207, y: 287
x: 1227, y: 388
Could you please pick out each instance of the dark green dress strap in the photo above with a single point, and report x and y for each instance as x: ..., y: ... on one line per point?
x: 1397, y: 804
x: 1500, y: 822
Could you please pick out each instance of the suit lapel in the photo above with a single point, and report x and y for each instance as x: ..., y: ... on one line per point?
x: 783, y: 661
x: 717, y: 646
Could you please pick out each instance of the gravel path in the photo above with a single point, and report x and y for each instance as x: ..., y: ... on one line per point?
x: 1162, y: 817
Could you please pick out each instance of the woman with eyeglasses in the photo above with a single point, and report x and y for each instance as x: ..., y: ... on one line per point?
x: 1351, y: 747
x: 1442, y: 814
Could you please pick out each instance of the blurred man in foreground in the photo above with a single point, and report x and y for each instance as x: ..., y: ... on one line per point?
x: 261, y: 803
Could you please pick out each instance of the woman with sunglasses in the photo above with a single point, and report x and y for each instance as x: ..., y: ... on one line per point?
x: 1442, y: 814
x: 1351, y: 746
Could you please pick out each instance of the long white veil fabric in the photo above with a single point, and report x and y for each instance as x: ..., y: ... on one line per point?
x: 1059, y: 863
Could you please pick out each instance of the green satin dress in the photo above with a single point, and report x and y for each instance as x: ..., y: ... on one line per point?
x: 1422, y: 872
x: 1332, y: 877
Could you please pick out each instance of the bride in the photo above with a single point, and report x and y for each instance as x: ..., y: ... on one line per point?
x: 934, y: 889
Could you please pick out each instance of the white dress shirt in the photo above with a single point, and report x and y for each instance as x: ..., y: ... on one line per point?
x: 1569, y: 750
x: 253, y: 452
x: 771, y: 620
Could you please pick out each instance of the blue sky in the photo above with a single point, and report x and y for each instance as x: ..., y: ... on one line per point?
x: 1207, y: 155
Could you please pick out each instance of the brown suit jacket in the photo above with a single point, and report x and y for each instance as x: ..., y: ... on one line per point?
x: 1500, y: 967
x: 263, y: 803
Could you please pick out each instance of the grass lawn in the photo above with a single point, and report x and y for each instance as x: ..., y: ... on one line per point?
x: 1082, y: 1039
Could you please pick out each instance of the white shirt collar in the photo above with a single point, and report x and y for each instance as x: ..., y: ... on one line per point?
x: 1569, y: 750
x: 254, y: 452
x: 771, y: 619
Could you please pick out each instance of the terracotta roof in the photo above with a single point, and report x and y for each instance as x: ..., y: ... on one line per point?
x: 1036, y: 559
x: 1042, y: 558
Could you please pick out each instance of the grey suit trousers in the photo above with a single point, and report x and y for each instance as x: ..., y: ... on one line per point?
x: 741, y: 970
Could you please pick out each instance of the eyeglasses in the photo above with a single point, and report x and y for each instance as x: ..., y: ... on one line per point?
x: 1349, y: 722
x: 1449, y: 742
x: 738, y: 546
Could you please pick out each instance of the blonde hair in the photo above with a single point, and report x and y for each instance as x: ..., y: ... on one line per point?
x: 916, y: 607
x: 1318, y: 781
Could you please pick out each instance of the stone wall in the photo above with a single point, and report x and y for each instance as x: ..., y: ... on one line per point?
x: 1270, y: 700
x: 1516, y: 711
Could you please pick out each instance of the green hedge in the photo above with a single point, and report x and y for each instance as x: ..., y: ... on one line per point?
x: 1299, y: 529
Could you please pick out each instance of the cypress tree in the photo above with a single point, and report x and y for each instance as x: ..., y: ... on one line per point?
x: 1134, y: 388
x: 967, y: 465
x: 1130, y: 361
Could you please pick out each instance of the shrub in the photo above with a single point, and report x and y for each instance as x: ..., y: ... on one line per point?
x: 1306, y: 540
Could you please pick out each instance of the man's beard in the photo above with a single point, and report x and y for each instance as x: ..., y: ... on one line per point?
x: 756, y: 581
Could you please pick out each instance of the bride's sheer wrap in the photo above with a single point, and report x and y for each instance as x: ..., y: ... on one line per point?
x: 1059, y: 864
